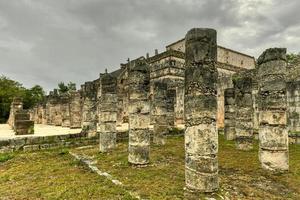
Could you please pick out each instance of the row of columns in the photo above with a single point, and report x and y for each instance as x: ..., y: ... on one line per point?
x: 200, y: 107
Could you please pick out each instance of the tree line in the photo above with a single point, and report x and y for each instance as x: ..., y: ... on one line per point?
x: 9, y: 89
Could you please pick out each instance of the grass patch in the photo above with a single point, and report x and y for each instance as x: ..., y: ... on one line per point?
x: 240, y: 174
x: 53, y: 175
x: 5, y: 157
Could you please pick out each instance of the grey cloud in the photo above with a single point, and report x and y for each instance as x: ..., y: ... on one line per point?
x: 47, y: 41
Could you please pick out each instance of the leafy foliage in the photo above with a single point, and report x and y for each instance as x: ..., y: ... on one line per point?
x: 63, y: 88
x: 10, y: 89
x: 293, y: 58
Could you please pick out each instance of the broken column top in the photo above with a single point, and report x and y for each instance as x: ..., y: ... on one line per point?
x: 272, y: 54
x: 201, y: 45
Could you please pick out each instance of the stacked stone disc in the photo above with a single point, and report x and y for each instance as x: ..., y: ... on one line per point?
x: 139, y: 113
x: 75, y: 110
x: 201, y: 137
x: 293, y: 99
x: 89, y: 108
x: 65, y: 110
x: 159, y: 106
x: 230, y: 114
x: 273, y: 134
x: 244, y: 109
x: 108, y: 113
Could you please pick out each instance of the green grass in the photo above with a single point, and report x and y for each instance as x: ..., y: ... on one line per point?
x: 240, y: 174
x: 5, y: 157
x: 53, y: 175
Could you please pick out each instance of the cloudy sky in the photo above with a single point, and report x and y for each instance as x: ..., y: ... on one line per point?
x: 47, y: 41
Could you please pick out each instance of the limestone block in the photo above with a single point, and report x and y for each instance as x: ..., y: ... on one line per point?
x: 201, y: 139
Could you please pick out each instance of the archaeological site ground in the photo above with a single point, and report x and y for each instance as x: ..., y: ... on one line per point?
x: 197, y: 121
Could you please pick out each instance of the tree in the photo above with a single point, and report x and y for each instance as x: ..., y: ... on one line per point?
x: 33, y: 96
x: 72, y: 86
x: 9, y: 89
x: 293, y: 58
x: 62, y: 88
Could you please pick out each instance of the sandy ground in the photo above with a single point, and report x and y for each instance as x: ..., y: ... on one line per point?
x: 39, y: 130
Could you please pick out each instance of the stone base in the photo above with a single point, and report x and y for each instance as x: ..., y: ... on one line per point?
x: 277, y: 161
x: 201, y: 182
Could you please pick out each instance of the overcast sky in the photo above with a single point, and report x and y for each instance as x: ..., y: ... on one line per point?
x: 47, y: 41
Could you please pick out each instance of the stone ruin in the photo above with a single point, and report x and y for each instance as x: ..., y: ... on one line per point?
x: 19, y: 119
x: 195, y: 86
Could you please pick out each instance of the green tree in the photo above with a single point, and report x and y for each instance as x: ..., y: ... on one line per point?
x: 72, y: 86
x: 33, y: 96
x: 8, y: 90
x: 293, y: 58
x: 63, y: 88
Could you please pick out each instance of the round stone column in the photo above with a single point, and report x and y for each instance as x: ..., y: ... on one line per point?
x: 159, y: 106
x: 139, y: 113
x: 108, y: 113
x: 244, y: 110
x: 200, y: 101
x: 273, y: 134
x: 230, y: 114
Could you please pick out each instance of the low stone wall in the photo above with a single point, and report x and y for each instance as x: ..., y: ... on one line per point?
x: 46, y: 142
x: 56, y: 141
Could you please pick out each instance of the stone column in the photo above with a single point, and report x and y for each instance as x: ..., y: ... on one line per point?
x: 273, y: 134
x: 75, y: 110
x: 108, y: 113
x: 65, y: 110
x: 230, y: 114
x: 159, y: 106
x: 201, y: 137
x: 244, y: 110
x: 293, y: 99
x: 139, y: 114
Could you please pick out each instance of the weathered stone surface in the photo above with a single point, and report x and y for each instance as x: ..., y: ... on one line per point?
x: 75, y: 110
x: 230, y: 114
x: 273, y: 135
x: 108, y: 113
x: 244, y: 109
x: 160, y: 112
x: 139, y: 115
x: 201, y: 138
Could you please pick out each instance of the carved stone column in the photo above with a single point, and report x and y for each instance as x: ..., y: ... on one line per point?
x: 273, y: 134
x: 230, y: 114
x: 108, y: 113
x: 244, y: 110
x: 159, y: 106
x: 201, y: 137
x: 139, y: 114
